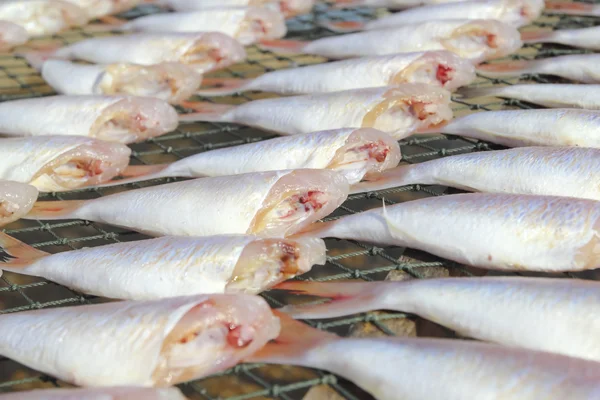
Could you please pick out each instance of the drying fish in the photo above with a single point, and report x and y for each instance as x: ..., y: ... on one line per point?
x: 169, y: 266
x: 11, y: 35
x: 16, y: 199
x: 494, y: 231
x: 115, y: 393
x: 512, y: 12
x: 99, y: 8
x: 142, y: 343
x: 578, y: 67
x: 268, y: 204
x: 587, y: 38
x: 445, y: 302
x: 247, y: 25
x: 438, y: 68
x: 58, y: 163
x: 398, y: 110
x: 548, y: 95
x: 354, y: 153
x: 203, y: 51
x: 572, y: 8
x: 121, y: 119
x: 42, y: 17
x: 524, y: 170
x: 396, y: 368
x: 289, y: 8
x: 172, y: 82
x: 515, y: 128
x: 476, y: 40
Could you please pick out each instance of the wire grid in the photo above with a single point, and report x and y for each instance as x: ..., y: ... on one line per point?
x: 346, y: 259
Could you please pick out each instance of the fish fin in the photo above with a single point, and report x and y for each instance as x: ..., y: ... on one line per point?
x: 343, y: 26
x: 205, y: 111
x: 295, y: 338
x: 568, y: 7
x: 345, y: 298
x: 36, y: 58
x: 391, y: 178
x: 469, y: 92
x: 506, y: 69
x: 137, y: 173
x: 49, y: 210
x: 15, y: 254
x: 283, y: 46
x: 536, y: 36
x: 222, y: 86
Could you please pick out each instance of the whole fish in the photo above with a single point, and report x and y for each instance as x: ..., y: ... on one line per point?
x: 397, y: 110
x: 587, y: 38
x: 572, y: 8
x: 533, y: 127
x: 12, y: 35
x: 354, y: 153
x: 401, y: 368
x: 123, y: 119
x: 172, y: 82
x: 493, y: 231
x: 16, y: 199
x: 139, y: 343
x: 99, y: 8
x: 476, y: 40
x: 202, y: 51
x: 268, y: 204
x: 169, y: 266
x: 42, y: 17
x: 477, y: 308
x: 289, y: 8
x: 584, y: 68
x: 553, y: 171
x: 437, y: 68
x: 548, y: 95
x: 58, y: 163
x: 114, y: 393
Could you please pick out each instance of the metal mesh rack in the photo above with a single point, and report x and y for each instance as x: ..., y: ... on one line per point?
x: 346, y: 259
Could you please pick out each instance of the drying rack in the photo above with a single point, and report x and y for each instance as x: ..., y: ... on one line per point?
x: 346, y: 259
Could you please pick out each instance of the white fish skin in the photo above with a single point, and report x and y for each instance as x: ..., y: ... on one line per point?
x: 584, y: 68
x: 100, y: 8
x: 587, y: 38
x: 139, y: 343
x: 123, y: 119
x: 396, y: 368
x: 548, y: 95
x: 202, y: 51
x: 172, y: 82
x: 16, y: 199
x: 116, y: 393
x: 523, y: 170
x: 437, y: 68
x: 58, y: 163
x: 247, y: 25
x: 42, y: 17
x: 397, y: 110
x: 493, y: 231
x: 514, y: 128
x: 12, y: 35
x: 289, y: 8
x: 170, y: 266
x: 268, y: 204
x: 546, y: 314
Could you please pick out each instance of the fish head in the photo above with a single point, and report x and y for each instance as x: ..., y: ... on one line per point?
x: 211, y: 51
x: 261, y: 23
x: 12, y: 35
x: 16, y: 199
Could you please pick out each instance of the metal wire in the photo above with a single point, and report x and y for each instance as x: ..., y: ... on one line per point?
x: 346, y: 259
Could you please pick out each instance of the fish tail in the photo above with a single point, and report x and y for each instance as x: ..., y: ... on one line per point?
x: 343, y: 26
x: 282, y: 45
x: 50, y: 210
x: 138, y: 173
x: 205, y: 111
x: 223, y: 86
x: 511, y: 68
x: 16, y: 255
x: 399, y: 176
x: 536, y: 36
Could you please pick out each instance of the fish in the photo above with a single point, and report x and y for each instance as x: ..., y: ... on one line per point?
x: 437, y: 68
x: 493, y: 301
x: 393, y: 368
x: 532, y: 127
x: 42, y: 17
x: 169, y: 266
x: 572, y: 8
x: 172, y: 82
x: 201, y: 51
x: 289, y: 8
x: 397, y: 110
x: 562, y: 95
x: 355, y: 153
x: 100, y: 8
x: 60, y: 163
x: 122, y: 119
x: 390, y: 4
x: 476, y: 40
x: 266, y: 204
x: 584, y: 68
x: 139, y: 343
x: 114, y: 393
x: 16, y: 200
x: 512, y: 12
x: 492, y: 231
x: 246, y: 25
x: 586, y: 38
x: 12, y: 35
x: 552, y: 171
